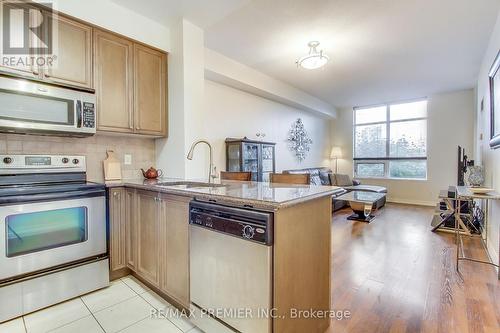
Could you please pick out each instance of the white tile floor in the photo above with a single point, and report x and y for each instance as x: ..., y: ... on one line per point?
x: 125, y: 306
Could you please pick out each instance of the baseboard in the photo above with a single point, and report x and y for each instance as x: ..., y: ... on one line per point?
x: 412, y: 202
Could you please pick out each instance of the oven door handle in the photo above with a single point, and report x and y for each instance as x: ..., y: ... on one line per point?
x: 52, y: 196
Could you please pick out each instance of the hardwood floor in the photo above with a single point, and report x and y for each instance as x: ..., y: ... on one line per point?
x: 395, y: 275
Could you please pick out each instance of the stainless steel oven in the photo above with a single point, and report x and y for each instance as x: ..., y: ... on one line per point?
x: 29, y: 107
x: 53, y: 232
x: 38, y: 235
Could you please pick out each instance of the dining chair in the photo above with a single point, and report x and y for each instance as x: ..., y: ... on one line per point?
x: 288, y: 178
x: 241, y: 176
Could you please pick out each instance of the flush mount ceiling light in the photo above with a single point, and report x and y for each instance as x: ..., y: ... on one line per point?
x: 315, y: 59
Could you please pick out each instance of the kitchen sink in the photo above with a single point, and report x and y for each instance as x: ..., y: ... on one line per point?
x: 189, y: 184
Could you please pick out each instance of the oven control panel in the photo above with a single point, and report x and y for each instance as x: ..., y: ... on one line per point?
x: 47, y: 163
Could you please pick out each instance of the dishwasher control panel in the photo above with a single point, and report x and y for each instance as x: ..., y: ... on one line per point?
x: 246, y: 224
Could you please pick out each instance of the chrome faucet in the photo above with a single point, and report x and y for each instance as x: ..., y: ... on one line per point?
x: 211, y: 168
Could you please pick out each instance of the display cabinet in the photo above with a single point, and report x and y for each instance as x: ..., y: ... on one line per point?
x: 257, y: 157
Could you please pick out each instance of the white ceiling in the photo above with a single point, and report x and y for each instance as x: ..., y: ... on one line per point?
x: 200, y: 12
x: 380, y: 50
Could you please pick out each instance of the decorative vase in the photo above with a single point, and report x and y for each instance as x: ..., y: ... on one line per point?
x: 476, y: 176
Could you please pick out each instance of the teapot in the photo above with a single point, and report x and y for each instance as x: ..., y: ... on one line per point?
x: 152, y: 173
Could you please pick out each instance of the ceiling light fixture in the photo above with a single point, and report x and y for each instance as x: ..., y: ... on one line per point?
x: 315, y: 59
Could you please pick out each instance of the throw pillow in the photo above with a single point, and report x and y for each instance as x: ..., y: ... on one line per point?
x: 342, y: 180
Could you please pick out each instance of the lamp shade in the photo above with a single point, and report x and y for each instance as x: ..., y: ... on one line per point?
x: 336, y: 152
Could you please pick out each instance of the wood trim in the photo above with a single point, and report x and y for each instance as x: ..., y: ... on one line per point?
x: 119, y: 273
x: 302, y: 264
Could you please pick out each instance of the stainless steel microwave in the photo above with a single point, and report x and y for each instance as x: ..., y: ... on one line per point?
x: 28, y: 107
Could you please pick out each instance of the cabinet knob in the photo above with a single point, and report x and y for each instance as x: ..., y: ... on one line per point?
x: 137, y: 128
x: 115, y: 194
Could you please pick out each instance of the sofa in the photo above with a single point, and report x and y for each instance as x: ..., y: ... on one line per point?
x: 325, y: 176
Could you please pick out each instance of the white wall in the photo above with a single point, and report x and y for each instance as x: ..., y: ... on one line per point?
x: 450, y: 123
x: 234, y: 113
x: 227, y: 71
x: 185, y: 91
x: 114, y: 17
x: 489, y: 158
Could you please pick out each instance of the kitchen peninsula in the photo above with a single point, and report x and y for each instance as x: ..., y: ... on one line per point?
x: 151, y: 235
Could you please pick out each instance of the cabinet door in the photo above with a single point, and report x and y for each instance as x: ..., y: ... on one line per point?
x: 21, y: 68
x: 250, y: 159
x: 150, y: 91
x: 175, y: 248
x: 131, y: 228
x: 233, y: 161
x: 117, y: 233
x: 148, y: 253
x: 73, y: 64
x: 113, y: 69
x: 267, y: 161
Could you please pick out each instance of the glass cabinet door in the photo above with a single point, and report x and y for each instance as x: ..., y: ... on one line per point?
x: 267, y: 161
x: 38, y: 231
x: 251, y: 159
x: 233, y: 158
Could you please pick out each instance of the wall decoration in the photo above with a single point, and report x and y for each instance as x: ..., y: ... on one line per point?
x: 494, y: 77
x: 299, y: 141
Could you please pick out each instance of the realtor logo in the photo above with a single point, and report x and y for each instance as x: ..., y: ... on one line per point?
x: 28, y: 34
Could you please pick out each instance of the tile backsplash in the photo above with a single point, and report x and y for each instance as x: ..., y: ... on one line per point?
x: 94, y: 148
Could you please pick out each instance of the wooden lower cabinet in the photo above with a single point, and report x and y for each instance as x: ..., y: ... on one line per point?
x: 117, y: 229
x: 174, y: 231
x: 149, y: 234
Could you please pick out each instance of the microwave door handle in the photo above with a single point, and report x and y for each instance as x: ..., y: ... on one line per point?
x: 79, y: 117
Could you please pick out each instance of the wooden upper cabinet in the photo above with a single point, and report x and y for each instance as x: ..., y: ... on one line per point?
x: 73, y: 64
x: 150, y: 90
x: 20, y: 68
x: 114, y: 82
x: 131, y: 86
x: 72, y: 41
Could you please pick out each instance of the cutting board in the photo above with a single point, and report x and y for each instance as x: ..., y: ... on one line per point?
x: 112, y: 167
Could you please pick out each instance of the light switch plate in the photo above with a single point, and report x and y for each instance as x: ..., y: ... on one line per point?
x: 127, y: 159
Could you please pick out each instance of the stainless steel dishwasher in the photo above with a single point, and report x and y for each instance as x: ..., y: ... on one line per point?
x: 231, y: 265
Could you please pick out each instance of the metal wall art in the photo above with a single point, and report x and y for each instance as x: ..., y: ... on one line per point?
x: 299, y: 141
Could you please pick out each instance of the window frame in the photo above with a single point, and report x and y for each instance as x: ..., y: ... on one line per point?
x: 385, y: 160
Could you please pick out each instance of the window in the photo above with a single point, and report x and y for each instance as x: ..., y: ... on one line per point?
x: 390, y: 141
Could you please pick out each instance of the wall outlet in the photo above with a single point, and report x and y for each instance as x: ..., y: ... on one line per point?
x: 127, y: 159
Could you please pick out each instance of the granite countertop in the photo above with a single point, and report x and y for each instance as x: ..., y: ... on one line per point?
x: 262, y: 195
